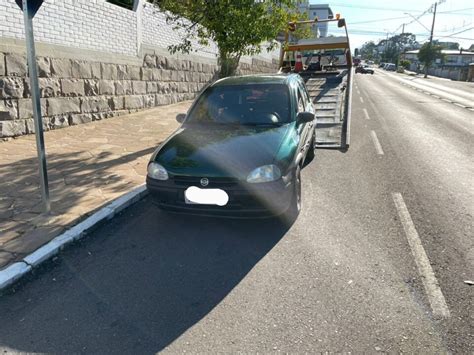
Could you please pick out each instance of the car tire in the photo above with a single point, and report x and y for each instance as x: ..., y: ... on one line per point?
x: 294, y: 209
x: 310, y: 154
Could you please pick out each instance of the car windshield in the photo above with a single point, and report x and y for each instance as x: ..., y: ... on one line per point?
x: 260, y: 104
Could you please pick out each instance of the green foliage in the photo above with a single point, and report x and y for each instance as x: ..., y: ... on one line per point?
x: 405, y: 63
x: 447, y: 45
x: 238, y: 27
x: 302, y: 30
x: 368, y: 50
x: 429, y: 53
x: 391, y: 53
x: 392, y: 47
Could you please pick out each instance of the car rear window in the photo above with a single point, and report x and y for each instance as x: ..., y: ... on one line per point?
x: 243, y: 104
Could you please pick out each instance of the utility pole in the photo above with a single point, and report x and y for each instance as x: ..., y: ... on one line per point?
x: 29, y: 8
x: 431, y: 36
x: 403, y: 29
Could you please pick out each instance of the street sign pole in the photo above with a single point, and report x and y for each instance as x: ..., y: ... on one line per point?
x: 29, y: 8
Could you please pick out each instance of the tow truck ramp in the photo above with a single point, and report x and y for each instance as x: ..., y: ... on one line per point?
x: 328, y: 76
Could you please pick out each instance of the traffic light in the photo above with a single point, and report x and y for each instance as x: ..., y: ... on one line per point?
x: 292, y: 27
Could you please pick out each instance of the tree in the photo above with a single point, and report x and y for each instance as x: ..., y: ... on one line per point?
x: 237, y: 27
x: 368, y: 50
x: 405, y: 63
x: 447, y: 45
x: 428, y: 53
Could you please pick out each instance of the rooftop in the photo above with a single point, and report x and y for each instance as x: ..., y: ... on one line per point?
x: 447, y: 51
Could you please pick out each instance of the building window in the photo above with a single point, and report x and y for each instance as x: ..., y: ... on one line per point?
x: 128, y: 4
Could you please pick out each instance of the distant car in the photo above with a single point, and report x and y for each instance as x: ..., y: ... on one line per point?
x: 381, y: 65
x: 364, y: 69
x: 390, y: 67
x: 239, y: 150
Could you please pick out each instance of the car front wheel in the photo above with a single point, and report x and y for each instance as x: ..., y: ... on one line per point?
x: 295, y: 205
x: 312, y: 146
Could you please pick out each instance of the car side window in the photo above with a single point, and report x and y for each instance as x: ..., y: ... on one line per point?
x: 301, y: 101
x: 308, y: 98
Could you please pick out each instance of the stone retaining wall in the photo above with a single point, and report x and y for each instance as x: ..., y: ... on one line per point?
x: 79, y: 91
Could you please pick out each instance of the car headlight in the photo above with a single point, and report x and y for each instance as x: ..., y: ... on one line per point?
x: 156, y: 171
x: 264, y: 173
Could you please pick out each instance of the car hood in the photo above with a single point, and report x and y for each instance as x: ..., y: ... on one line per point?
x: 221, y: 150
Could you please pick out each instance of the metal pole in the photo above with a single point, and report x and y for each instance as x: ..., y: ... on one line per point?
x: 35, y: 96
x: 431, y: 36
x: 403, y: 29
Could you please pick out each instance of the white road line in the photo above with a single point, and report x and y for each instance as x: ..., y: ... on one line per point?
x: 433, y: 291
x: 361, y: 99
x: 367, y: 117
x: 460, y: 105
x: 378, y: 147
x: 358, y: 92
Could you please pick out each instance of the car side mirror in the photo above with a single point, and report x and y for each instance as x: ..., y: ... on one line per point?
x: 180, y: 117
x: 304, y: 117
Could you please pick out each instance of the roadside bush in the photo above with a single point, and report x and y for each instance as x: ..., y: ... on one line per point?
x: 405, y: 64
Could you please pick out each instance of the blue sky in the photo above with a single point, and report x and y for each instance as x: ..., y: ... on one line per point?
x: 371, y: 20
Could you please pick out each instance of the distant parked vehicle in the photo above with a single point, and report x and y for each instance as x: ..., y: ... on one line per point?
x: 381, y: 65
x: 390, y: 67
x: 364, y: 69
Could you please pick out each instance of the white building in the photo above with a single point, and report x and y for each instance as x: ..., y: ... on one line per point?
x: 322, y: 12
x: 452, y: 58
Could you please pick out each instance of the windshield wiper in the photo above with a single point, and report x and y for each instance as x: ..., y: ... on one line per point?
x: 266, y: 124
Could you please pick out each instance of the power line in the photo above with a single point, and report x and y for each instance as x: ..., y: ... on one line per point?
x: 453, y: 12
x: 380, y: 20
x: 456, y: 33
x: 456, y: 28
x: 373, y: 8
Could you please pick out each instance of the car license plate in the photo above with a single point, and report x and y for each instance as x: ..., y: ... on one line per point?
x: 195, y: 195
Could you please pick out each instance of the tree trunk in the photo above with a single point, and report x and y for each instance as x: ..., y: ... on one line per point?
x: 228, y: 63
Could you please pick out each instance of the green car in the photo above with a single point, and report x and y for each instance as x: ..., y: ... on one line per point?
x: 239, y: 150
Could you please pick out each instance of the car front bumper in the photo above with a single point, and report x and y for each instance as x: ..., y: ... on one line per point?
x: 245, y: 200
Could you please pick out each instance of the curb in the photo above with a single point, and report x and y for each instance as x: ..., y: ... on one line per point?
x: 18, y: 269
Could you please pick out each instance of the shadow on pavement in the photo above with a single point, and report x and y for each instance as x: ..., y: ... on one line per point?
x: 79, y: 182
x: 139, y: 283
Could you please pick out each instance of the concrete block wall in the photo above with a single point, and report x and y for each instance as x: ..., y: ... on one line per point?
x: 97, y: 60
x: 75, y: 91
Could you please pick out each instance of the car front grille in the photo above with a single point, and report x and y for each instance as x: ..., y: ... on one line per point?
x: 214, y: 182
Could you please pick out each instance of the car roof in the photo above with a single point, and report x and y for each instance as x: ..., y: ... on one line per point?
x: 284, y: 79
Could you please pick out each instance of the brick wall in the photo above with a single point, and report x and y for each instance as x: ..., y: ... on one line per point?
x: 156, y: 32
x: 89, y: 24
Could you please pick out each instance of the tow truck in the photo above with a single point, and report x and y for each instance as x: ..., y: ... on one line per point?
x: 327, y: 72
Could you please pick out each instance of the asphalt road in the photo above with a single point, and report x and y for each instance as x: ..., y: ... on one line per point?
x: 346, y: 277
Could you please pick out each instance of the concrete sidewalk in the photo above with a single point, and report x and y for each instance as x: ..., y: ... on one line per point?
x: 88, y: 165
